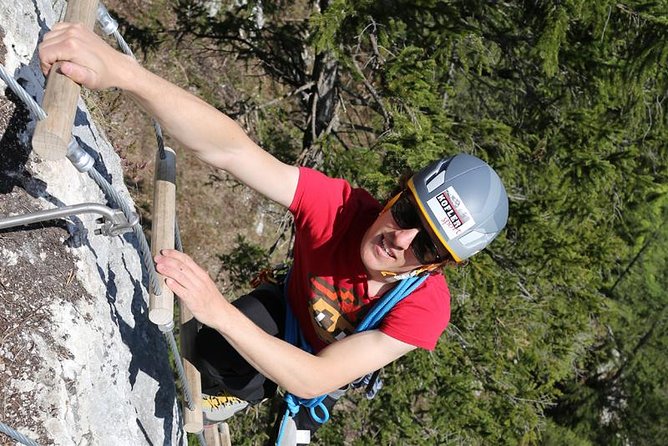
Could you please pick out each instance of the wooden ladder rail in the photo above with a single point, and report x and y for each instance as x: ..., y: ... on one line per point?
x: 218, y: 435
x: 161, y: 307
x: 53, y: 134
x: 163, y: 233
x: 193, y: 419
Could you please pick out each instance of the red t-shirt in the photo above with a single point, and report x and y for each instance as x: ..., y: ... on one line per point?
x: 328, y: 283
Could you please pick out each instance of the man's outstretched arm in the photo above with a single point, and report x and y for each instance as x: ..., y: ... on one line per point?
x: 214, y: 137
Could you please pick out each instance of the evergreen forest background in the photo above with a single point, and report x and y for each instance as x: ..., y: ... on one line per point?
x: 559, y: 332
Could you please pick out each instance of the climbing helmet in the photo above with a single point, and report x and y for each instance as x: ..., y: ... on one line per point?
x: 463, y: 201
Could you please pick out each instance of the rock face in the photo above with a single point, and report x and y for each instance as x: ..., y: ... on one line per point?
x: 79, y: 361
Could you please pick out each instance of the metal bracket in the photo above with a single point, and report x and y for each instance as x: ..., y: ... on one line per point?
x: 113, y: 220
x: 79, y: 157
x: 107, y: 23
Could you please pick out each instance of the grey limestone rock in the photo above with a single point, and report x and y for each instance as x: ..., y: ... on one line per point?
x: 80, y: 363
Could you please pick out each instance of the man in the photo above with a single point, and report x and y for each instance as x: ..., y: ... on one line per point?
x: 349, y: 250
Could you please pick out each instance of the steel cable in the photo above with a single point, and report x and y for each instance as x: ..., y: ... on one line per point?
x: 16, y: 435
x: 32, y: 105
x: 123, y: 44
x: 169, y: 335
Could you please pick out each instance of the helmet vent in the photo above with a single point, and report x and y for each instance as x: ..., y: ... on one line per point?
x: 474, y: 238
x: 436, y: 182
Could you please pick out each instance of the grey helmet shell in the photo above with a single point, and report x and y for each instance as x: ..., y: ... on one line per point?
x: 463, y: 200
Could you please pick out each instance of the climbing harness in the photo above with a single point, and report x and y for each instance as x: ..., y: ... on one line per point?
x: 316, y: 406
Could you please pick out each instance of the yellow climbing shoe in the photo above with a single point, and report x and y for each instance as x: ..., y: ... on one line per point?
x: 220, y: 407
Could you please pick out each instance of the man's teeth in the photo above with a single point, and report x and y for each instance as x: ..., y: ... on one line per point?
x: 382, y: 243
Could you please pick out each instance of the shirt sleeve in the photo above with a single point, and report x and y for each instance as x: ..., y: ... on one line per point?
x: 318, y: 201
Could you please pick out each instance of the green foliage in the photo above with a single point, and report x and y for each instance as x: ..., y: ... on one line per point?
x: 551, y: 39
x: 625, y: 383
x: 244, y: 262
x: 556, y: 435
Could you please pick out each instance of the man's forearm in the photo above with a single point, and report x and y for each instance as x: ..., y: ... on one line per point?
x: 302, y: 373
x: 191, y: 121
x: 290, y: 367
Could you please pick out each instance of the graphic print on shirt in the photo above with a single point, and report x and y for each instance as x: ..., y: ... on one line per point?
x: 334, y: 309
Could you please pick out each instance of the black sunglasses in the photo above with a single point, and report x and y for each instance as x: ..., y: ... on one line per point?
x: 406, y: 216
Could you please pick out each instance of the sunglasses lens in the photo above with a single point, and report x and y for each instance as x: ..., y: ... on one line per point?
x: 404, y: 213
x: 406, y: 216
x: 424, y: 248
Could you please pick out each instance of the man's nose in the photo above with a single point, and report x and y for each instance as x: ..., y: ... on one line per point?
x: 404, y: 237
